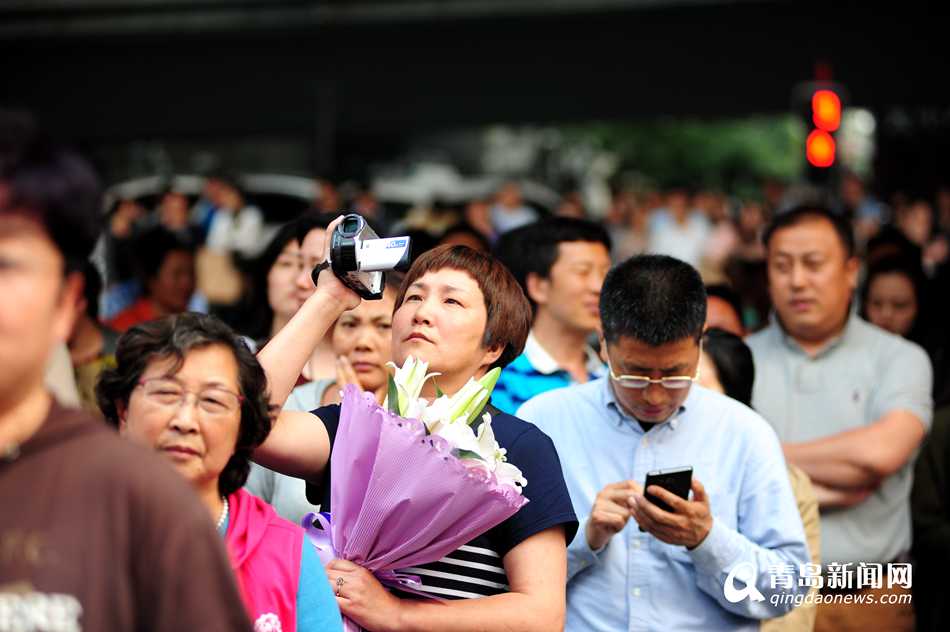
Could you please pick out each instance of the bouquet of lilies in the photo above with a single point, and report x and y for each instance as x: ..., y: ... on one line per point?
x: 452, y: 418
x: 413, y: 480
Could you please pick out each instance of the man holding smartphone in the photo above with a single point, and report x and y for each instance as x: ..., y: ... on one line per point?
x: 725, y: 557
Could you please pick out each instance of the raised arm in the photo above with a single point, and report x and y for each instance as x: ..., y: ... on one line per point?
x: 298, y: 445
x: 284, y: 357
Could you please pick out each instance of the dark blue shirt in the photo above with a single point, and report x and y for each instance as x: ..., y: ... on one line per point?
x: 476, y: 569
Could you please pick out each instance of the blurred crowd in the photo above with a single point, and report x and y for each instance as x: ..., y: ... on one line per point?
x: 216, y: 252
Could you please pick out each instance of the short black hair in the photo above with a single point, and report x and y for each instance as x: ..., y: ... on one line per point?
x: 534, y: 248
x: 152, y: 246
x: 800, y: 214
x: 464, y: 228
x: 257, y: 316
x: 51, y: 186
x: 174, y: 337
x: 91, y: 289
x: 421, y: 241
x: 734, y: 363
x: 730, y: 296
x: 890, y: 242
x: 309, y: 221
x: 654, y: 299
x: 227, y: 177
x: 911, y: 268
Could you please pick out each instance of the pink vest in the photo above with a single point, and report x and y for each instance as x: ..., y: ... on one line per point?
x: 265, y: 554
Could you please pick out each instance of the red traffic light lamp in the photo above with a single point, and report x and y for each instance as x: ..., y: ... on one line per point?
x: 826, y: 110
x: 820, y: 149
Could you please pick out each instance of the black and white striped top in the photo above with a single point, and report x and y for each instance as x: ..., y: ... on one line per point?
x: 466, y: 573
x: 476, y: 569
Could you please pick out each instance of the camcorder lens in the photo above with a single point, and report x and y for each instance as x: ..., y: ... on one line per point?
x: 351, y: 225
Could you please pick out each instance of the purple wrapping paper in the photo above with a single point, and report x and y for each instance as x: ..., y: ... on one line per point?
x: 400, y: 498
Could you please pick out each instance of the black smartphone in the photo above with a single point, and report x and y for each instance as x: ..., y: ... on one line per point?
x: 677, y: 480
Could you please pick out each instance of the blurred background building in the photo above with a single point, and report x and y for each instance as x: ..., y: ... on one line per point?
x: 422, y: 114
x: 566, y: 92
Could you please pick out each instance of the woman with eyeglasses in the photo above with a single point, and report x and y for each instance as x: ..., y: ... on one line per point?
x: 188, y: 387
x: 463, y: 312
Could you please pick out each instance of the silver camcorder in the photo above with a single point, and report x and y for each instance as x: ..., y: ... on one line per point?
x: 359, y: 257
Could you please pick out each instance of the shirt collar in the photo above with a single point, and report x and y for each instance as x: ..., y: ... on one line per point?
x: 620, y: 417
x: 833, y: 343
x: 542, y: 362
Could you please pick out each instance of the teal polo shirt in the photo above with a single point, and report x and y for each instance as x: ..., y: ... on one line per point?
x: 535, y: 372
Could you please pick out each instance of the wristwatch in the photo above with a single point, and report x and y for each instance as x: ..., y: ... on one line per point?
x: 317, y: 269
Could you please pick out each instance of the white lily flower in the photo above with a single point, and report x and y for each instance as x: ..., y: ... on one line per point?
x: 415, y: 409
x: 488, y: 447
x: 494, y: 455
x: 461, y: 436
x: 435, y: 414
x: 508, y: 474
x: 409, y: 379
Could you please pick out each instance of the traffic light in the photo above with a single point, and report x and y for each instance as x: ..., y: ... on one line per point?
x: 820, y: 103
x: 826, y: 118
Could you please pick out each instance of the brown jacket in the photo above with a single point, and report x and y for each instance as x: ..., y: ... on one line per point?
x: 98, y: 534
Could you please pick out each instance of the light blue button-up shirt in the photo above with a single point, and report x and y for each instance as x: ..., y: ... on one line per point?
x: 639, y: 583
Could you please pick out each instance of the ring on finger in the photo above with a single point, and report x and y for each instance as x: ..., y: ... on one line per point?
x: 339, y: 586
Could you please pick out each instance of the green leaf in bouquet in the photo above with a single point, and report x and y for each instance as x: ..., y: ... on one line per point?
x: 468, y: 454
x: 392, y: 397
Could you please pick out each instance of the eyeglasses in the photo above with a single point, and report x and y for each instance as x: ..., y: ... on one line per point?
x: 673, y: 382
x: 169, y: 394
